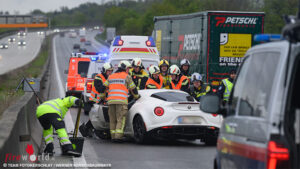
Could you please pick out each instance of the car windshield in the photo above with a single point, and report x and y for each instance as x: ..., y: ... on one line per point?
x: 172, y: 96
x: 83, y: 67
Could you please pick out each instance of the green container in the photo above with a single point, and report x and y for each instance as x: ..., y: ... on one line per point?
x: 214, y: 41
x: 77, y: 143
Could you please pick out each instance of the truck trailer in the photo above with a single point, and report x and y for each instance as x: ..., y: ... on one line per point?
x: 214, y: 41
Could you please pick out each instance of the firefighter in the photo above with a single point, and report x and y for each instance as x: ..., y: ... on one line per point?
x: 198, y: 88
x: 98, y: 89
x: 226, y: 86
x: 119, y: 84
x: 138, y: 74
x: 97, y: 86
x: 178, y: 81
x: 155, y: 81
x: 164, y: 67
x: 185, y: 68
x: 51, y: 114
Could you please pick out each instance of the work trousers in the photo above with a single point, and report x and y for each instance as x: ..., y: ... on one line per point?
x: 117, y: 118
x: 50, y: 120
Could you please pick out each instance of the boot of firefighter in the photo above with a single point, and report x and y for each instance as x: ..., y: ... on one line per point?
x: 49, y: 149
x: 68, y: 150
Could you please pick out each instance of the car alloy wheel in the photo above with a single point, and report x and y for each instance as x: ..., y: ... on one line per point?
x: 139, y: 130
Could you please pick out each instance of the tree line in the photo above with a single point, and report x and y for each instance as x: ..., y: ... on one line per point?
x: 136, y: 17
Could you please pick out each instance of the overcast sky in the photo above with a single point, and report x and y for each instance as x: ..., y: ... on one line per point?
x: 26, y: 6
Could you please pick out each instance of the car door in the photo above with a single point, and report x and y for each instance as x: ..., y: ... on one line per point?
x: 246, y: 131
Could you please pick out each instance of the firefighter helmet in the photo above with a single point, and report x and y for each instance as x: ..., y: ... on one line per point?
x: 124, y: 64
x: 153, y: 70
x: 107, y: 66
x: 174, y: 70
x: 185, y: 62
x: 137, y: 62
x: 163, y: 62
x: 196, y: 77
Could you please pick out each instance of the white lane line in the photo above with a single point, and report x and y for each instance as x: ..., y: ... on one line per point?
x: 68, y: 118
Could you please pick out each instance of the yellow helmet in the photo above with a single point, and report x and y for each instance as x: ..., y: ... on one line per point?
x: 163, y: 62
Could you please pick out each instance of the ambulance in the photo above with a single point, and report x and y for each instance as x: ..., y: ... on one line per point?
x: 129, y: 47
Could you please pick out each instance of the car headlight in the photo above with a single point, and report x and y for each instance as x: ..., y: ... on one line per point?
x: 24, y: 43
x: 1, y: 46
x: 6, y: 46
x: 19, y: 43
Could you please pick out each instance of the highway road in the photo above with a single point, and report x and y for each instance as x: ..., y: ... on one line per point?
x: 129, y: 155
x: 16, y: 56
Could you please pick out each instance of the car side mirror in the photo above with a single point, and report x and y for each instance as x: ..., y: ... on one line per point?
x: 210, y: 103
x: 66, y: 72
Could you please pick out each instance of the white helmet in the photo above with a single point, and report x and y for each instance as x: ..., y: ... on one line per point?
x: 107, y: 66
x: 124, y: 64
x: 154, y: 69
x: 196, y: 77
x: 185, y: 62
x: 137, y: 62
x: 174, y: 70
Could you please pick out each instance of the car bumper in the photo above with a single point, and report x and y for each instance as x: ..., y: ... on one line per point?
x: 185, y: 132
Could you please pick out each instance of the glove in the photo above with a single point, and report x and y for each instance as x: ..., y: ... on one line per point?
x: 138, y: 97
x: 78, y: 102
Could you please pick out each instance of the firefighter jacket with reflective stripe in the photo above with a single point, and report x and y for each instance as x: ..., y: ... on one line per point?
x: 182, y: 84
x: 95, y: 95
x: 59, y: 106
x: 139, y: 79
x: 118, y: 85
x: 228, y: 87
x: 152, y: 84
x: 198, y: 92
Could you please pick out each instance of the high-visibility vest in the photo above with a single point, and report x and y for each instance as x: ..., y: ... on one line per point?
x: 150, y: 81
x: 117, y: 89
x: 95, y: 95
x: 228, y: 87
x: 179, y: 84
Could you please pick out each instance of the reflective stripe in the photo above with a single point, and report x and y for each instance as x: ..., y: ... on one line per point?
x: 112, y: 131
x: 123, y: 124
x: 49, y: 136
x: 116, y: 81
x: 53, y: 107
x: 119, y: 131
x: 116, y: 95
x: 50, y: 141
x: 132, y: 85
x: 117, y: 90
x: 65, y: 142
x: 64, y: 138
x: 185, y: 83
x: 151, y: 86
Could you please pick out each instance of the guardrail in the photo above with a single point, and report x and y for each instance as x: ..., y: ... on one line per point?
x: 21, y: 133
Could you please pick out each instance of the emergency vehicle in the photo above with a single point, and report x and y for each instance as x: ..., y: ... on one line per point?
x: 77, y: 73
x: 129, y: 47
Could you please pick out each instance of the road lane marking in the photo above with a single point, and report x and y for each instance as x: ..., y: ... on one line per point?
x: 68, y: 118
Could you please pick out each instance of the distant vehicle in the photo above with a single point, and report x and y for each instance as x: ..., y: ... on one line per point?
x: 56, y: 30
x: 162, y: 113
x: 129, y: 47
x: 88, y: 43
x: 215, y: 42
x: 11, y: 39
x: 40, y: 32
x: 76, y: 46
x: 82, y: 39
x: 72, y: 34
x: 3, y: 46
x: 110, y: 34
x: 82, y: 50
x: 22, y: 43
x: 21, y: 33
x: 96, y: 27
x: 77, y: 73
x: 82, y: 32
x: 62, y: 34
x: 261, y: 128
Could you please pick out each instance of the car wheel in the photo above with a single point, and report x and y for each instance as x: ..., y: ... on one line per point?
x: 140, y: 133
x: 210, y: 141
x: 103, y: 134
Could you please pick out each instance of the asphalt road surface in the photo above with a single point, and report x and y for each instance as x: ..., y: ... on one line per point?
x: 16, y: 56
x: 128, y: 155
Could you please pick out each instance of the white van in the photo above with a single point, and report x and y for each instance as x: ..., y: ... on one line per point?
x: 129, y: 47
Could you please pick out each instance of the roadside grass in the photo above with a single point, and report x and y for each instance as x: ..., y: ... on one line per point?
x: 101, y: 37
x: 9, y: 83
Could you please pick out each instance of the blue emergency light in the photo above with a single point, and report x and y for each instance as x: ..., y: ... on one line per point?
x: 94, y: 58
x: 118, y: 41
x: 267, y: 37
x: 150, y: 42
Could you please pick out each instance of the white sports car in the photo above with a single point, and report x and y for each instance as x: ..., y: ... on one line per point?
x: 163, y: 113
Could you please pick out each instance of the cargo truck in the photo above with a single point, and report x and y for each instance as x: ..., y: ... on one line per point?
x: 110, y: 34
x: 214, y: 41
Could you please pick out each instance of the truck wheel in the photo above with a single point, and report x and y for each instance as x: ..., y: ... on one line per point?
x: 140, y: 133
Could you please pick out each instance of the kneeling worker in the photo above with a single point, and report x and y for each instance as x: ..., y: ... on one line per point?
x: 198, y: 88
x: 51, y: 114
x: 119, y: 84
x: 155, y: 81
